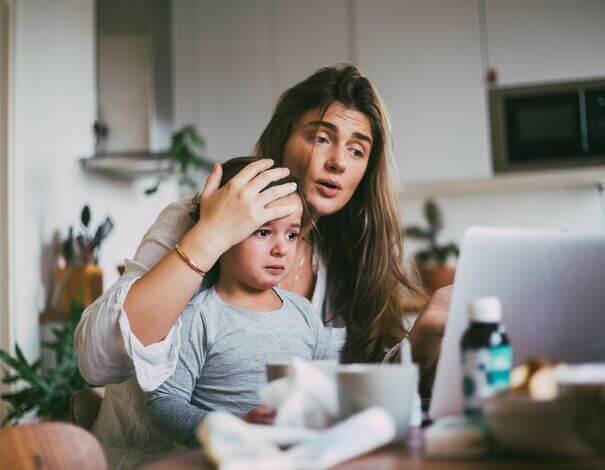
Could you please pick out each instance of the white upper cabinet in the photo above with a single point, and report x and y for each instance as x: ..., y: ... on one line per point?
x: 234, y: 58
x: 223, y: 71
x: 545, y: 40
x: 308, y: 35
x: 425, y: 58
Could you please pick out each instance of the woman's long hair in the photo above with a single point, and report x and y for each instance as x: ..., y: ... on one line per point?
x: 362, y: 243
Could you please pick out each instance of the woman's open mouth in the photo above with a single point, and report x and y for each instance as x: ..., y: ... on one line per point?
x: 328, y: 188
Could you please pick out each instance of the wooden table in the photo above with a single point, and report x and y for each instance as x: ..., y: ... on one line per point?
x: 408, y: 456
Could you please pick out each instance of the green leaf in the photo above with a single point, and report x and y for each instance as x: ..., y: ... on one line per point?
x: 417, y: 232
x: 85, y: 216
x: 433, y: 216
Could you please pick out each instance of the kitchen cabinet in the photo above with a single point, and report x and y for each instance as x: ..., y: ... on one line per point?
x: 222, y: 69
x: 545, y: 40
x: 308, y: 35
x: 425, y: 58
x: 233, y: 59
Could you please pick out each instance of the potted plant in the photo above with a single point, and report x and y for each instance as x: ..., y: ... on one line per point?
x: 44, y: 391
x: 434, y: 262
x: 79, y: 279
x: 187, y: 151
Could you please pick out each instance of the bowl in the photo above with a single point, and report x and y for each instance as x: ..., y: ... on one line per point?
x: 520, y: 424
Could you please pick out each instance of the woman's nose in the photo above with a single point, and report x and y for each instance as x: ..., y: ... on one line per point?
x: 336, y: 160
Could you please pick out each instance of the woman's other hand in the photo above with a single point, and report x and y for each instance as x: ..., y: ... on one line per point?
x: 260, y: 415
x: 231, y: 213
x: 426, y: 336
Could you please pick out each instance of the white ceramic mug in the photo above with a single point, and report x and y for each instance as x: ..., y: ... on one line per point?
x: 389, y: 386
x: 278, y: 369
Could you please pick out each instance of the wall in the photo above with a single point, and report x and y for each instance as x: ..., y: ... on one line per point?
x: 55, y: 106
x: 5, y: 325
x: 579, y: 211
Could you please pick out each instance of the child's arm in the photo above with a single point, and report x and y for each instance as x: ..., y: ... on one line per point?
x: 329, y: 342
x: 169, y: 406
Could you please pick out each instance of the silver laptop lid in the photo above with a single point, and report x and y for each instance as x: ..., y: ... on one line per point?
x: 552, y: 288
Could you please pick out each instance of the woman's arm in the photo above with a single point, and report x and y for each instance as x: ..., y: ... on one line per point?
x: 105, y: 345
x: 228, y: 215
x: 427, y: 333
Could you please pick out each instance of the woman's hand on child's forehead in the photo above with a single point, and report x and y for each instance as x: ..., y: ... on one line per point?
x: 292, y: 199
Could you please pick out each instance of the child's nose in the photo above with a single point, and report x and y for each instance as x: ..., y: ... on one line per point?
x: 279, y: 248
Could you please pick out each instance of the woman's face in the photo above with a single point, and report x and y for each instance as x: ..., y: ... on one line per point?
x: 331, y: 154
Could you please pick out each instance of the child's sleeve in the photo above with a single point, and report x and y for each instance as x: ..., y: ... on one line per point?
x: 169, y: 406
x: 328, y: 341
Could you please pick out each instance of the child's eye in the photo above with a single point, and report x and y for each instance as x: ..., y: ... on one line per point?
x: 263, y: 232
x: 292, y: 236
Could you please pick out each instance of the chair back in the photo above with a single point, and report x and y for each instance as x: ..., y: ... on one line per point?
x: 84, y: 406
x: 50, y: 446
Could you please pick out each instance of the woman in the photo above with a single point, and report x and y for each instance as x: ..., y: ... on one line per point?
x: 332, y: 130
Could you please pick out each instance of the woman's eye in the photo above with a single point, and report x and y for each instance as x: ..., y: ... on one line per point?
x: 263, y: 233
x: 320, y: 139
x: 292, y: 236
x: 357, y: 152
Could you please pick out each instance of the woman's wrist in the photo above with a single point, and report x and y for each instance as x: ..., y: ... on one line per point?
x: 202, y: 247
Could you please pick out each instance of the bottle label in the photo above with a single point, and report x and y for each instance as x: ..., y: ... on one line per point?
x: 484, y: 371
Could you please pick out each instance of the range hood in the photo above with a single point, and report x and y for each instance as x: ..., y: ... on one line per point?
x: 134, y: 78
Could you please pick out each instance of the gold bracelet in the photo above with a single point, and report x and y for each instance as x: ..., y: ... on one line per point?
x: 188, y: 260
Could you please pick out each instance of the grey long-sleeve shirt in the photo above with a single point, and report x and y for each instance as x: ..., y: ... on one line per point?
x: 222, y: 358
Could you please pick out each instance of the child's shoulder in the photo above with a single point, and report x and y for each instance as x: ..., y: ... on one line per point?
x: 199, y: 299
x: 298, y: 302
x: 199, y: 303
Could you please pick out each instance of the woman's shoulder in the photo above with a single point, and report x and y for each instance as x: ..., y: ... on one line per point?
x: 173, y: 221
x: 181, y: 212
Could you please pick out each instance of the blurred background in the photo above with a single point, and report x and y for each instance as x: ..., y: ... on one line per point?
x: 93, y: 95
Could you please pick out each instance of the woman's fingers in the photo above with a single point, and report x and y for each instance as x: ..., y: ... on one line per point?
x: 276, y: 192
x: 262, y: 180
x: 278, y: 211
x: 250, y: 171
x: 213, y: 182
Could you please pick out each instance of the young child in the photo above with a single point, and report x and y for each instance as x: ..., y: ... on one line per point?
x: 232, y: 329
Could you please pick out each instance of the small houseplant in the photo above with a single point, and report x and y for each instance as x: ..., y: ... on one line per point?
x: 44, y: 391
x: 433, y: 261
x: 79, y: 278
x: 187, y: 151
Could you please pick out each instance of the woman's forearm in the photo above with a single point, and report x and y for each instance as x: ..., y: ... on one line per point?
x: 428, y: 330
x: 155, y: 301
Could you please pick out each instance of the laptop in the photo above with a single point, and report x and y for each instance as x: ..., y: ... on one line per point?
x: 552, y: 289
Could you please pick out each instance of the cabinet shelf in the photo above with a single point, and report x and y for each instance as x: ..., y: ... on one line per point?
x: 563, y: 179
x: 129, y: 165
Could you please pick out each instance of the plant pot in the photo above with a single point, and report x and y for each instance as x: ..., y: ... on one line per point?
x: 435, y: 276
x: 79, y: 285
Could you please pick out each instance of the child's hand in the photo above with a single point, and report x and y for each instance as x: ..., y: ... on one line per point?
x: 260, y: 415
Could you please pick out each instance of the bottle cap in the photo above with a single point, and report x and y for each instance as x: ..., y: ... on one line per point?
x: 485, y: 310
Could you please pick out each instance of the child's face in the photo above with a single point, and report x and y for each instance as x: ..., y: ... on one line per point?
x: 263, y: 259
